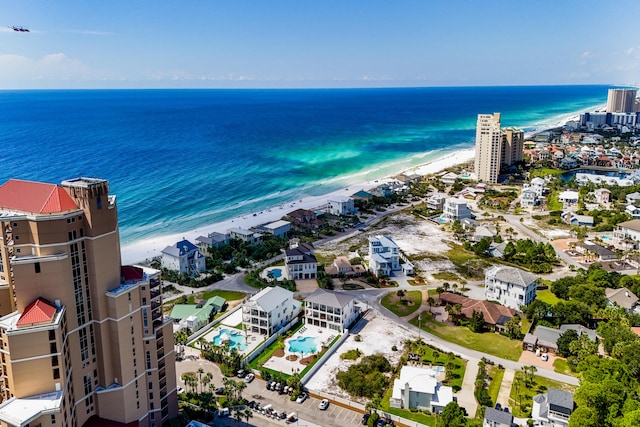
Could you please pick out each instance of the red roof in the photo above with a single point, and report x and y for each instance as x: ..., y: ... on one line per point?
x: 491, y: 311
x: 131, y: 274
x: 35, y: 197
x: 39, y: 311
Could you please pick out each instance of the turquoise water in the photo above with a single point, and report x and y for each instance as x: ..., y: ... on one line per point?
x: 441, y: 220
x: 182, y: 159
x: 236, y: 339
x: 275, y: 273
x: 305, y: 345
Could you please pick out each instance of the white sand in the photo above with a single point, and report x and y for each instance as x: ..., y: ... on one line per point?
x: 149, y: 248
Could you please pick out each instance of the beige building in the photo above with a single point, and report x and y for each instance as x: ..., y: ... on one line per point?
x: 82, y: 339
x: 496, y: 148
x: 621, y: 101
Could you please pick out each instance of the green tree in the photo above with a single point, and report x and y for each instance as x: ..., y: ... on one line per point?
x: 563, y: 342
x: 476, y: 323
x: 514, y: 331
x: 453, y: 416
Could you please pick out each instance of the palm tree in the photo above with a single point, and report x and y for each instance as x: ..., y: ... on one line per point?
x: 436, y: 354
x: 237, y: 415
x: 206, y: 380
x: 200, y: 372
x: 247, y: 414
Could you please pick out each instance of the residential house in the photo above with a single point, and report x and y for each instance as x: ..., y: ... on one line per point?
x: 436, y: 201
x: 269, y: 310
x: 456, y: 209
x: 448, y: 178
x: 633, y: 198
x: 304, y: 219
x: 572, y: 218
x: 546, y: 338
x: 196, y: 316
x: 538, y: 185
x: 594, y: 252
x: 211, y: 240
x: 331, y: 310
x: 568, y: 163
x: 341, y: 265
x: 341, y: 205
x: 627, y: 234
x: 183, y: 257
x: 624, y: 298
x: 363, y: 196
x: 496, y: 418
x: 278, y: 228
x: 247, y: 236
x: 384, y: 256
x: 482, y: 232
x: 528, y: 198
x: 553, y: 408
x: 602, y: 195
x: 418, y: 388
x: 495, y: 315
x: 633, y: 211
x: 511, y: 287
x: 569, y: 198
x: 300, y: 261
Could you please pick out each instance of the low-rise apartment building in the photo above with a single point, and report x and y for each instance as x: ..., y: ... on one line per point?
x: 269, y: 310
x: 331, y: 310
x: 511, y: 287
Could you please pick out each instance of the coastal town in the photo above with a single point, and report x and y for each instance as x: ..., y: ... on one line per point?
x: 501, y: 290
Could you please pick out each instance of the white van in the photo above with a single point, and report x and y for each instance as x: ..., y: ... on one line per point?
x: 224, y: 412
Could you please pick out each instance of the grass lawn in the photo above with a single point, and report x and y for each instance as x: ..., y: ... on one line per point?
x: 446, y: 275
x: 459, y: 364
x: 562, y: 367
x: 487, y: 342
x: 541, y: 385
x: 553, y: 204
x: 547, y: 296
x: 411, y: 301
x: 495, y: 374
x: 467, y: 263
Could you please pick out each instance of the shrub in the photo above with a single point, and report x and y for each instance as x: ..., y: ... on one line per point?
x: 394, y: 348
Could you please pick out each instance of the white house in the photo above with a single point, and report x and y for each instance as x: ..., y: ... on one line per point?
x: 528, y: 198
x: 384, y: 256
x: 455, y: 208
x: 269, y: 310
x: 602, y: 195
x: 572, y: 218
x: 627, y: 234
x: 341, y: 205
x: 569, y: 198
x: 247, y: 236
x: 553, y: 409
x: 448, y: 178
x: 633, y: 198
x: 622, y: 297
x: 436, y: 201
x: 511, y: 287
x: 183, y: 257
x: 331, y: 310
x: 418, y: 388
x: 633, y: 211
x: 300, y: 261
x: 278, y: 228
x: 537, y: 185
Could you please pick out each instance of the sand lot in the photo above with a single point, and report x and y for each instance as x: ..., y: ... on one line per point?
x: 378, y: 335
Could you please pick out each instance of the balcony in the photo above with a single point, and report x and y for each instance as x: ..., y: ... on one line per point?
x: 155, y: 294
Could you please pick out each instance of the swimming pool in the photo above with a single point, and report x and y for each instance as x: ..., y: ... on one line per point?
x: 305, y: 345
x: 275, y: 273
x: 441, y: 220
x: 235, y: 338
x: 605, y: 237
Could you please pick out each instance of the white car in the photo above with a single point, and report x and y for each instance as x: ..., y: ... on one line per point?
x: 249, y: 378
x: 545, y: 357
x: 180, y: 390
x: 302, y: 397
x: 324, y: 404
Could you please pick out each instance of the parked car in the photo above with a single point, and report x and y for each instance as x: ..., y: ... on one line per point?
x: 498, y: 407
x: 241, y: 373
x: 365, y: 418
x: 267, y: 385
x: 180, y: 390
x: 324, y: 404
x: 219, y: 390
x: 249, y: 378
x: 545, y: 357
x: 302, y: 397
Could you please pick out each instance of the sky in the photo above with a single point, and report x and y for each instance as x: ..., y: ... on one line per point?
x: 316, y: 43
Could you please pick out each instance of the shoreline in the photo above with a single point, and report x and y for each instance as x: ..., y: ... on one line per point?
x: 147, y: 249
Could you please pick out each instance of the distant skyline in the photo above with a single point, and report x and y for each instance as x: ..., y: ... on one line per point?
x: 316, y: 44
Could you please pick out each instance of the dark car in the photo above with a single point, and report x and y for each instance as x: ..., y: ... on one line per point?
x: 219, y: 390
x: 365, y: 418
x: 268, y: 385
x: 498, y: 407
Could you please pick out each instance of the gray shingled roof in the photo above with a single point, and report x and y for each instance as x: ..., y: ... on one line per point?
x: 331, y: 299
x: 560, y: 401
x: 623, y: 297
x: 270, y: 297
x: 514, y: 275
x: 501, y: 417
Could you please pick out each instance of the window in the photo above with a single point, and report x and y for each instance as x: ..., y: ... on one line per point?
x: 52, y: 335
x: 54, y: 360
x: 37, y: 267
x: 53, y: 418
x: 53, y: 348
x: 56, y: 374
x: 99, y: 205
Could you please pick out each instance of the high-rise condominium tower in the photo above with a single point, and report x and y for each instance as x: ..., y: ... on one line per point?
x: 621, y: 101
x: 82, y: 338
x: 496, y: 148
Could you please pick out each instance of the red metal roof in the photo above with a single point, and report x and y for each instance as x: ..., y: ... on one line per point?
x: 39, y: 311
x: 35, y: 197
x: 131, y: 273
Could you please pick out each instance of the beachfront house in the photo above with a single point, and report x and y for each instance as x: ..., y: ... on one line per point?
x: 448, y: 178
x: 269, y: 310
x: 418, y: 388
x: 511, y: 287
x: 300, y: 261
x: 331, y: 310
x: 211, y: 240
x: 602, y: 195
x: 384, y: 256
x: 341, y: 205
x: 553, y: 408
x: 456, y: 209
x: 436, y: 201
x: 278, y: 228
x: 183, y: 257
x: 247, y: 236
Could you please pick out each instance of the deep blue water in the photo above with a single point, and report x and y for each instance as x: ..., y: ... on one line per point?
x: 180, y: 159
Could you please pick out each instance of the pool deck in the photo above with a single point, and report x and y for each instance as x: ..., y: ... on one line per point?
x: 253, y: 340
x: 265, y: 273
x: 281, y: 364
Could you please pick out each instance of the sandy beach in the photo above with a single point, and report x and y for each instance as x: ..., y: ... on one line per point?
x: 149, y: 248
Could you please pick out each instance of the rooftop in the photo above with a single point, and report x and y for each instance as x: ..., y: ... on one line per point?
x: 499, y: 417
x: 331, y: 299
x: 271, y: 297
x: 21, y: 411
x: 35, y: 197
x: 512, y: 275
x: 623, y: 297
x: 38, y: 312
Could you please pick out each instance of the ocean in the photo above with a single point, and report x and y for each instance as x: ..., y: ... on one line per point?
x: 181, y: 159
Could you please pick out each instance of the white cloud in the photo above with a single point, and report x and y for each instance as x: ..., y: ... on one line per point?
x: 54, y: 66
